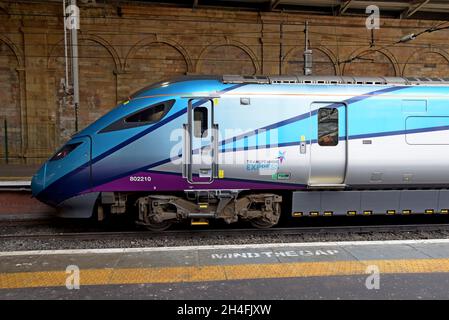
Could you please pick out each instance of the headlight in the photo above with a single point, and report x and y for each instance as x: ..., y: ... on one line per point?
x: 64, y: 151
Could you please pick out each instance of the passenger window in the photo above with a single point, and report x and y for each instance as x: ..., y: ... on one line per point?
x: 200, y: 122
x: 328, y: 126
x: 152, y: 114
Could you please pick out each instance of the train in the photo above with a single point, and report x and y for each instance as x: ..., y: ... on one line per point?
x: 233, y: 147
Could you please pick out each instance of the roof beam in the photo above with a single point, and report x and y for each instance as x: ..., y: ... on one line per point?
x: 344, y: 6
x: 274, y: 4
x: 413, y: 8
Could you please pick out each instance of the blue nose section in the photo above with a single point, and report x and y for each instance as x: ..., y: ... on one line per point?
x: 38, y: 181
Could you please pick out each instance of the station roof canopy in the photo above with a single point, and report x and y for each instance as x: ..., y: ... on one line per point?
x: 407, y: 9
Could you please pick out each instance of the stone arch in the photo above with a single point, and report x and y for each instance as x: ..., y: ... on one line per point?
x: 108, y: 46
x: 235, y: 49
x: 324, y: 61
x: 151, y: 60
x: 427, y: 62
x: 154, y: 40
x: 88, y: 37
x: 10, y: 96
x: 372, y: 62
x: 98, y: 66
x: 15, y: 50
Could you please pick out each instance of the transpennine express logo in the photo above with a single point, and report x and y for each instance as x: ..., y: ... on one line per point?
x: 281, y: 156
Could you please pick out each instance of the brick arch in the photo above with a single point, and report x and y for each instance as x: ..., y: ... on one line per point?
x: 108, y: 46
x: 428, y: 62
x: 151, y: 60
x: 326, y: 61
x: 383, y: 63
x: 201, y: 63
x: 88, y: 37
x: 151, y: 40
x: 14, y: 49
x: 98, y: 66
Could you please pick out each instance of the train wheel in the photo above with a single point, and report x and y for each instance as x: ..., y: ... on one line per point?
x: 158, y: 226
x: 261, y: 223
x: 268, y: 221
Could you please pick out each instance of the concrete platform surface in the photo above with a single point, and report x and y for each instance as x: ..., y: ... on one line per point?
x: 415, y: 269
x: 17, y: 172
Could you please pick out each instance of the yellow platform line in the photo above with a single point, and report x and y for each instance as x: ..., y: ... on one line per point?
x: 109, y: 276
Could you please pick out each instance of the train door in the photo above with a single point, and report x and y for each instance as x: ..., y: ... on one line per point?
x: 200, y: 153
x: 328, y: 152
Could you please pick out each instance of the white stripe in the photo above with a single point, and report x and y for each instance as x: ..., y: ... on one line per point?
x: 278, y: 246
x: 17, y: 183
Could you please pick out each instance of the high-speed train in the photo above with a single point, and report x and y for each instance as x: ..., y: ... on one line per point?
x: 249, y: 147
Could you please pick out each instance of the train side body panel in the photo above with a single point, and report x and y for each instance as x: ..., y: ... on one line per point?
x: 400, y: 140
x: 268, y: 139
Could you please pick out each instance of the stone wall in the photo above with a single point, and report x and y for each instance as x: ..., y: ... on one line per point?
x: 123, y: 50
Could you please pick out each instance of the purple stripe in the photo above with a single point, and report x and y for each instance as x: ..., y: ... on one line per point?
x: 167, y: 181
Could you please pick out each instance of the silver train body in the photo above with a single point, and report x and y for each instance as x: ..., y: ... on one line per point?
x: 235, y: 146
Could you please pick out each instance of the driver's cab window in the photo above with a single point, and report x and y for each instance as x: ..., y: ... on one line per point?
x: 328, y: 126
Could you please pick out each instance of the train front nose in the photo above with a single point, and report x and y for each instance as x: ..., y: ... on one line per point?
x: 38, y: 181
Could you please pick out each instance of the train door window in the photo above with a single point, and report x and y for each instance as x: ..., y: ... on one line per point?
x: 327, y: 127
x: 200, y: 122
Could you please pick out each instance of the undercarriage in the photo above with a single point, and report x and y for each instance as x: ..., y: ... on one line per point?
x: 159, y: 212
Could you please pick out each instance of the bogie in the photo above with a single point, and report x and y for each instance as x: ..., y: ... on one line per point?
x: 160, y: 211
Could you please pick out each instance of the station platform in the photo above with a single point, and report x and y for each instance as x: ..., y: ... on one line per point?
x: 16, y: 202
x: 403, y: 269
x: 17, y: 172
